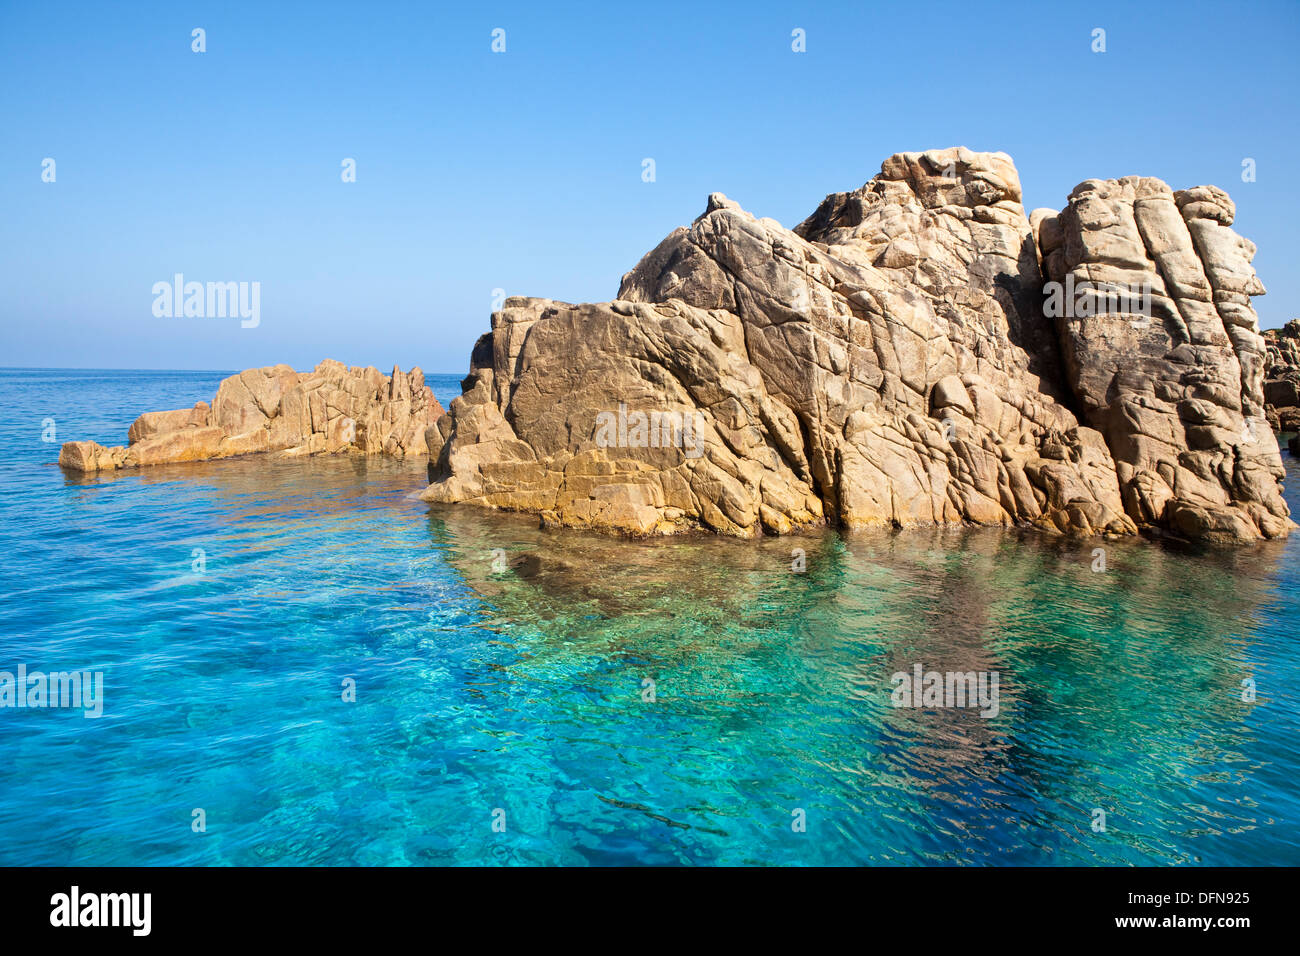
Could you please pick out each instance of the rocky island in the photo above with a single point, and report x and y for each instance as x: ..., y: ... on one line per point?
x: 917, y: 351
x: 328, y: 410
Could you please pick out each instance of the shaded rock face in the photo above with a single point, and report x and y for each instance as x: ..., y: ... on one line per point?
x: 1177, y: 391
x: 275, y: 409
x: 1282, y: 378
x: 889, y: 362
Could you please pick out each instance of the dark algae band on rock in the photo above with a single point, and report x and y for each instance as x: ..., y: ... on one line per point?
x: 916, y: 352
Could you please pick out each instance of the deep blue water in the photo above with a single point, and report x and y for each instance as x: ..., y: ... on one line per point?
x: 521, y: 691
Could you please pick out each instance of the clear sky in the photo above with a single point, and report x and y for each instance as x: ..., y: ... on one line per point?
x: 522, y: 170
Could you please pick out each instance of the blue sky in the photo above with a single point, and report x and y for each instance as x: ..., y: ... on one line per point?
x: 522, y: 170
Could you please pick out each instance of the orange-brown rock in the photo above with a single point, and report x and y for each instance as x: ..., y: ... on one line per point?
x: 331, y: 409
x: 892, y: 361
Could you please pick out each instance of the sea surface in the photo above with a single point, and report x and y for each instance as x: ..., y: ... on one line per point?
x: 603, y: 701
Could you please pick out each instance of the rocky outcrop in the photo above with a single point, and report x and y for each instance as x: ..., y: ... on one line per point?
x: 895, y: 360
x: 1162, y: 352
x: 1282, y: 377
x: 275, y: 409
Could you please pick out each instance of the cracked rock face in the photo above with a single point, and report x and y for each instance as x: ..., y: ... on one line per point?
x: 275, y: 409
x: 1178, y: 393
x: 889, y: 362
x: 1282, y: 378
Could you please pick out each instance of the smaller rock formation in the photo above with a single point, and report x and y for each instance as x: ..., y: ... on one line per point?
x: 275, y: 409
x: 1282, y: 378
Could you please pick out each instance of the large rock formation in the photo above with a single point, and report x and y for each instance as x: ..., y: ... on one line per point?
x: 888, y: 362
x: 331, y: 409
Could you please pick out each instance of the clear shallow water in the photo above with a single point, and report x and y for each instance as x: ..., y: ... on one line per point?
x: 522, y: 690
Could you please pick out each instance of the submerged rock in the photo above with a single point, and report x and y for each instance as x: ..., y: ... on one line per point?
x: 275, y: 409
x: 895, y: 360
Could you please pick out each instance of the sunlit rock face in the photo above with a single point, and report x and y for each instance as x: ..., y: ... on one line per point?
x: 331, y: 409
x: 893, y: 361
x: 1178, y: 391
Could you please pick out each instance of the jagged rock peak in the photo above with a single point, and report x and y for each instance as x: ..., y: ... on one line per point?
x: 898, y: 358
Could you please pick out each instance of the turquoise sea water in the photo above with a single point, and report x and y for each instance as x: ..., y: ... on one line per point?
x: 521, y: 691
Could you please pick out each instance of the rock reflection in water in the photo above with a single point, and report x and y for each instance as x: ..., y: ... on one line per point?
x: 1119, y: 689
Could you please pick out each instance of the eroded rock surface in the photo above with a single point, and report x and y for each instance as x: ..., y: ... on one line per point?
x: 1177, y: 392
x: 275, y: 409
x: 889, y: 362
x: 1282, y: 377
